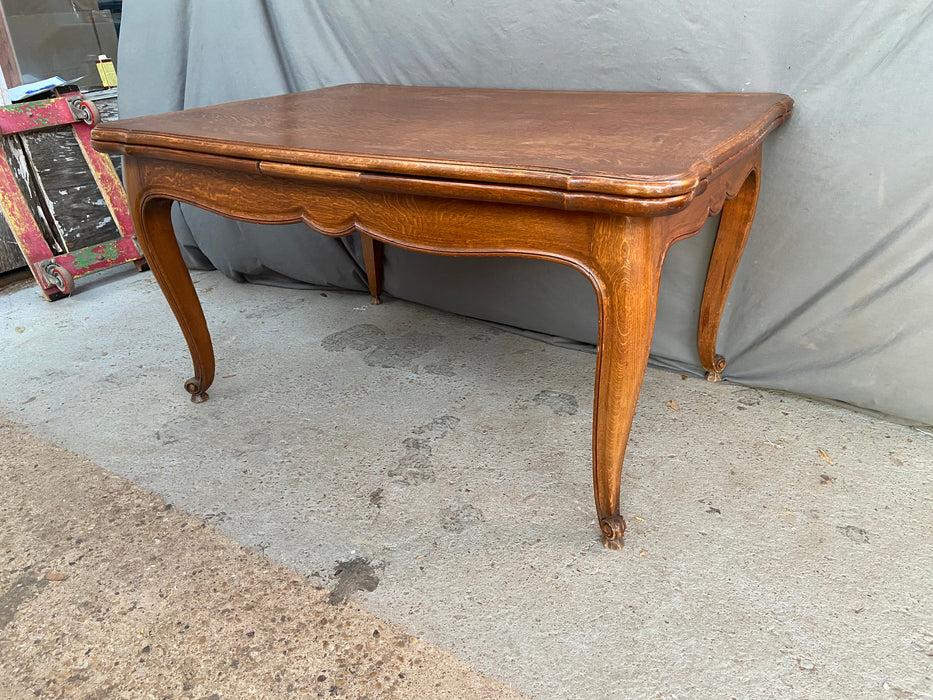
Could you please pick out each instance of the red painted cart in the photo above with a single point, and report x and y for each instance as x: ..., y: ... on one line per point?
x: 55, y: 274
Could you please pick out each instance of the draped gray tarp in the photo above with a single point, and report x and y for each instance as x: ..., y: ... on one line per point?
x: 834, y: 296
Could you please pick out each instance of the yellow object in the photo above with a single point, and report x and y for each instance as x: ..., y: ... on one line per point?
x: 108, y: 75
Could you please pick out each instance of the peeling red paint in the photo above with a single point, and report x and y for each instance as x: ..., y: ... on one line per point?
x: 107, y: 180
x: 32, y: 116
x: 43, y: 114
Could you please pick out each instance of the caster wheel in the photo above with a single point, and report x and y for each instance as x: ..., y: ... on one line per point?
x: 60, y: 278
x: 88, y: 112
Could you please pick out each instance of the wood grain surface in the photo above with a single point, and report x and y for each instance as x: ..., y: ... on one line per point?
x: 632, y: 144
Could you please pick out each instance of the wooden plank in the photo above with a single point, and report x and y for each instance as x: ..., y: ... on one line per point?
x: 19, y: 164
x: 109, y: 111
x: 68, y: 188
x: 10, y: 256
x: 8, y: 63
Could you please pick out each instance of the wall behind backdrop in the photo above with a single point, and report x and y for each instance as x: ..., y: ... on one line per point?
x: 834, y: 297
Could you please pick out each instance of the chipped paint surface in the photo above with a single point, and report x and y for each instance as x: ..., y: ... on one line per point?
x: 18, y: 216
x: 106, y: 177
x: 31, y: 116
x: 101, y: 256
x: 87, y: 258
x: 42, y: 114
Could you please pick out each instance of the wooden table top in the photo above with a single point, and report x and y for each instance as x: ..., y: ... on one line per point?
x: 644, y: 145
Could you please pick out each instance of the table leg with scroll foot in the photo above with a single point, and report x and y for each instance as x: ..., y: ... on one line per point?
x: 626, y: 275
x: 152, y: 217
x: 735, y: 223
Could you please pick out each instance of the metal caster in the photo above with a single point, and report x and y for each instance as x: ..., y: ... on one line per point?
x: 59, y: 278
x: 86, y: 111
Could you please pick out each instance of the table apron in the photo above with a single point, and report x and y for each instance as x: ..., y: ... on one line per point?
x: 430, y: 223
x: 417, y: 222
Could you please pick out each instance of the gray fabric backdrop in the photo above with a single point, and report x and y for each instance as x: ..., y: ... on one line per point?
x: 833, y: 297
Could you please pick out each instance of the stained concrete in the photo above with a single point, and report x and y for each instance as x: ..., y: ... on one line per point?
x: 112, y: 593
x: 777, y: 546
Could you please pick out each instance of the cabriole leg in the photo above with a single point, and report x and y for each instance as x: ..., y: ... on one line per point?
x: 627, y: 292
x: 152, y: 217
x: 734, y: 226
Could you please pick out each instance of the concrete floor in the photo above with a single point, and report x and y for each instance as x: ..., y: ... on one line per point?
x: 108, y: 592
x: 777, y: 546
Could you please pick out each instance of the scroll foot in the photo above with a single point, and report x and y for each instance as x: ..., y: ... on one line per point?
x: 613, y: 528
x: 715, y: 374
x: 193, y: 387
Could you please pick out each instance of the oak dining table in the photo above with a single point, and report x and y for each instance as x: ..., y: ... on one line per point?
x: 604, y: 182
